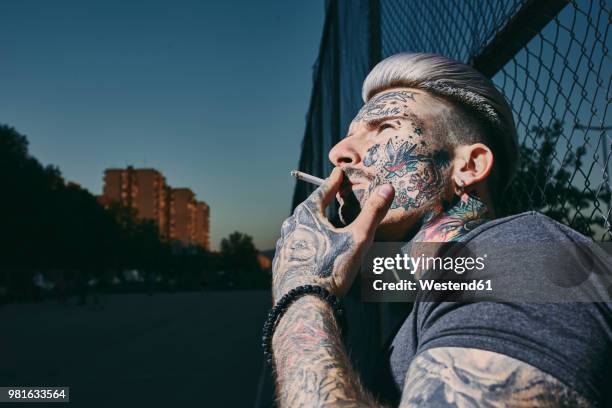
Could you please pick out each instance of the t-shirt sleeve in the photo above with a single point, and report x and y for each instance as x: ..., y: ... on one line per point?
x: 570, y: 341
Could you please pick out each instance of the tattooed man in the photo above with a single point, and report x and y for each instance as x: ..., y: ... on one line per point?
x: 425, y: 160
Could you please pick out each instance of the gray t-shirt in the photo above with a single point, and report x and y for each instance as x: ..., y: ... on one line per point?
x: 570, y: 341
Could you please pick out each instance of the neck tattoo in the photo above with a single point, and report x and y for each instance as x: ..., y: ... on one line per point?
x: 451, y: 225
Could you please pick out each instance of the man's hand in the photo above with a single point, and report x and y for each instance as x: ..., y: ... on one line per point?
x: 312, y: 251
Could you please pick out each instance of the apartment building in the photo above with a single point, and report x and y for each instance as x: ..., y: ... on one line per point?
x: 179, y: 216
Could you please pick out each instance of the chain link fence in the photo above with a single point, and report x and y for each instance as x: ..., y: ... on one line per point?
x: 550, y: 59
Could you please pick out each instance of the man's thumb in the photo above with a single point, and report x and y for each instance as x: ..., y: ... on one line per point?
x: 374, y: 210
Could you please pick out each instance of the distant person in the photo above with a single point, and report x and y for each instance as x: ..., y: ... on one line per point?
x: 426, y: 160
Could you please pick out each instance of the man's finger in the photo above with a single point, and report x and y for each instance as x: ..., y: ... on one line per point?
x: 327, y: 191
x: 374, y: 210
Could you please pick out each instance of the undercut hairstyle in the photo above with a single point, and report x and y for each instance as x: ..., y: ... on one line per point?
x: 479, y: 112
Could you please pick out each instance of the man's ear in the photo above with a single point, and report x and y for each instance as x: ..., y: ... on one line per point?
x: 472, y: 164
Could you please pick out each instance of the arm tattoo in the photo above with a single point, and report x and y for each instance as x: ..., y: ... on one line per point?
x: 312, y: 367
x: 464, y: 377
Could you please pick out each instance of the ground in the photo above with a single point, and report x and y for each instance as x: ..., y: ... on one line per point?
x: 181, y: 350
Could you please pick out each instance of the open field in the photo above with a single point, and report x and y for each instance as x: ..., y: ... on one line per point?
x: 186, y: 349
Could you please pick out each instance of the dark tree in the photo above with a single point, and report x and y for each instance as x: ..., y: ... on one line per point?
x: 59, y: 228
x: 240, y: 258
x: 542, y: 185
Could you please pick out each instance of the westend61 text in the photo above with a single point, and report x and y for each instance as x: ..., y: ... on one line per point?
x: 432, y: 285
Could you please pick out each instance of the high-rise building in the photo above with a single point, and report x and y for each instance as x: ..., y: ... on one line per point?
x: 202, y: 217
x: 177, y: 213
x: 182, y: 215
x: 118, y: 186
x: 144, y: 190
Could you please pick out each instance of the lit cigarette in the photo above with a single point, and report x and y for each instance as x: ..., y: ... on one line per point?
x: 307, y: 177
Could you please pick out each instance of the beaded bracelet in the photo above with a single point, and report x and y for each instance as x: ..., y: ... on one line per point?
x: 281, y: 306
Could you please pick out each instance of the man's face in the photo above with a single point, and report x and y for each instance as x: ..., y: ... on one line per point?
x: 393, y: 140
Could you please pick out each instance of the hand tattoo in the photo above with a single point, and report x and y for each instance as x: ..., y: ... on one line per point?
x: 312, y: 251
x: 312, y: 366
x: 308, y: 247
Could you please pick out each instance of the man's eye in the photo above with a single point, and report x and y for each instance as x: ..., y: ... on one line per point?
x: 384, y: 126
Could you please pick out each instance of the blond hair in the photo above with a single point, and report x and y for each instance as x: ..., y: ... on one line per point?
x: 472, y: 92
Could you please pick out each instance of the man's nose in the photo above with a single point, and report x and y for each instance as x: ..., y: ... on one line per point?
x: 345, y: 153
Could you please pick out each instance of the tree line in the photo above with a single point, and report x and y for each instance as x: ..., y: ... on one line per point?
x: 59, y: 228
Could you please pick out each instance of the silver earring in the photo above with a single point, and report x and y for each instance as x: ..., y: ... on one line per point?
x: 461, y: 186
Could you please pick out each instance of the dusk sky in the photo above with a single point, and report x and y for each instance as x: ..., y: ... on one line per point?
x: 213, y: 94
